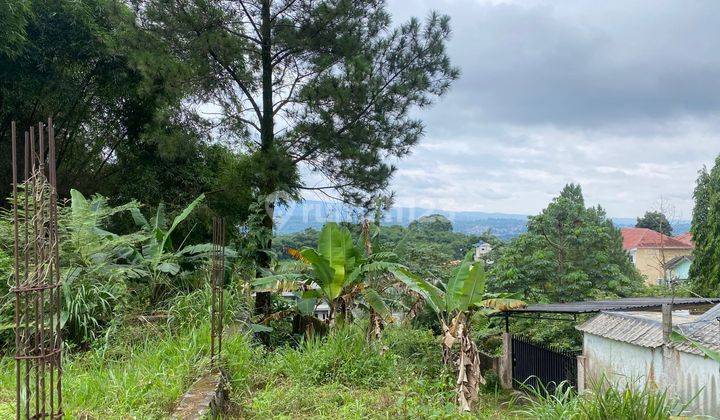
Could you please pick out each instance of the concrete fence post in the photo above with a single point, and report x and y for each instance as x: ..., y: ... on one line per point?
x: 666, y: 322
x: 581, y: 373
x: 505, y: 365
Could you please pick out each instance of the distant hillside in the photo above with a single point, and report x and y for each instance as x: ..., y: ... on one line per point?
x: 314, y: 214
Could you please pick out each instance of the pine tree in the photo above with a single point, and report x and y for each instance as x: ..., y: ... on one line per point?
x: 570, y: 252
x: 705, y: 270
x: 320, y: 85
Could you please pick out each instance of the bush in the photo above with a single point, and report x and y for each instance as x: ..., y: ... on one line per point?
x: 420, y: 348
x: 343, y: 357
x: 192, y: 309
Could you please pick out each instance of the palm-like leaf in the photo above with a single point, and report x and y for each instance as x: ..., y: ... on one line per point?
x: 376, y: 302
x: 430, y: 293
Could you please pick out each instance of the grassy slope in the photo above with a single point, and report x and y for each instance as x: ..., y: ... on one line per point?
x: 340, y: 377
x: 142, y: 376
x: 146, y: 371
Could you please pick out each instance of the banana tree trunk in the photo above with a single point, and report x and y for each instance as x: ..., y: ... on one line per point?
x: 460, y: 352
x: 376, y: 326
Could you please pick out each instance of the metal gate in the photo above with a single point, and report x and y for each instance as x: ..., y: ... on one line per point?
x: 534, y: 364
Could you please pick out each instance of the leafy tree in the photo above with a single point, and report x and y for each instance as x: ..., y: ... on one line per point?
x: 326, y: 85
x: 569, y: 253
x: 432, y: 223
x: 656, y: 221
x: 114, y: 95
x: 705, y: 270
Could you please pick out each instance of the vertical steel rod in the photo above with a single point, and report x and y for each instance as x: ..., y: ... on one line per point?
x: 26, y: 275
x: 16, y: 252
x: 38, y: 339
x: 56, y: 243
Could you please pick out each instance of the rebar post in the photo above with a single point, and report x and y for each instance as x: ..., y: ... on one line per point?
x: 38, y: 342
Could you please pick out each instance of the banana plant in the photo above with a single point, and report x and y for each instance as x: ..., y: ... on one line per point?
x: 462, y: 295
x: 158, y: 253
x: 337, y: 275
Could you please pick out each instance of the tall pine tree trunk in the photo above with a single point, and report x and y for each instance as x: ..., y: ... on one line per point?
x: 263, y: 300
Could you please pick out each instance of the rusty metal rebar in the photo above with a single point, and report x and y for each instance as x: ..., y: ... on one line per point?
x: 217, y: 280
x: 38, y: 342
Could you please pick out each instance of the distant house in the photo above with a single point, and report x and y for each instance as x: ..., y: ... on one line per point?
x: 679, y: 267
x: 629, y: 349
x: 651, y: 252
x: 322, y: 309
x: 481, y: 249
x: 686, y: 238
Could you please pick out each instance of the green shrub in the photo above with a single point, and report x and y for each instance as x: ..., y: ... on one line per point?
x: 189, y: 310
x: 343, y: 357
x: 630, y: 401
x: 540, y: 404
x: 420, y: 348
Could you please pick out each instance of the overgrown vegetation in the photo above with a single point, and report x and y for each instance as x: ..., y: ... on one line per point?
x: 602, y: 402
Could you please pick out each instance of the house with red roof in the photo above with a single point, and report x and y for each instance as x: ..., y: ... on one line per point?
x: 686, y: 238
x: 654, y: 253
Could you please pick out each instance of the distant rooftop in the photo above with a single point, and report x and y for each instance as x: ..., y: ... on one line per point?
x: 645, y: 329
x: 625, y: 304
x: 677, y: 260
x: 648, y: 238
x: 686, y: 238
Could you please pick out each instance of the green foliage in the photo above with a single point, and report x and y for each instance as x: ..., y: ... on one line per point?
x: 339, y: 269
x: 141, y: 373
x: 105, y: 275
x: 464, y: 292
x: 342, y: 357
x: 405, y: 381
x: 190, y: 310
x: 115, y: 97
x: 415, y: 345
x: 432, y: 223
x: 562, y: 403
x: 603, y: 401
x: 355, y: 80
x: 656, y: 221
x: 705, y: 270
x: 425, y: 252
x: 569, y: 253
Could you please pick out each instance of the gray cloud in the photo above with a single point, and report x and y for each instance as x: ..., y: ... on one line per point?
x: 620, y: 96
x: 580, y: 62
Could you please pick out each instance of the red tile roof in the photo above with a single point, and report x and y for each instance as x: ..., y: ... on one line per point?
x: 686, y: 238
x: 647, y: 238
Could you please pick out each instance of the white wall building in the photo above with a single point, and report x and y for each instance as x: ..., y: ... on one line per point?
x: 628, y: 348
x: 482, y: 249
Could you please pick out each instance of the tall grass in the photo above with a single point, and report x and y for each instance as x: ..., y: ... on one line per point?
x: 342, y: 376
x: 140, y: 375
x: 605, y: 401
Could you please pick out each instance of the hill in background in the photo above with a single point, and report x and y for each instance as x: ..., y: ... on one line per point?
x: 313, y: 214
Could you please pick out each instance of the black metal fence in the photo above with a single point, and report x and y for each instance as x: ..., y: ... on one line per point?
x: 534, y: 364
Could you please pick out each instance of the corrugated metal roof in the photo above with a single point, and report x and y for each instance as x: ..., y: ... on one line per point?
x: 621, y: 327
x: 613, y: 305
x: 634, y: 328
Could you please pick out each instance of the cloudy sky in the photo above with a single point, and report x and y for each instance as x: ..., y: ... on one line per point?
x: 621, y: 96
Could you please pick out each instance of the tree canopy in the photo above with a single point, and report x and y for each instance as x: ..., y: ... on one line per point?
x: 116, y: 101
x: 326, y: 85
x: 656, y: 221
x: 433, y: 222
x: 705, y: 270
x: 570, y: 252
